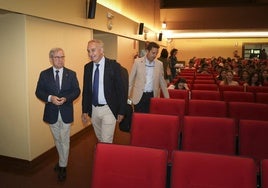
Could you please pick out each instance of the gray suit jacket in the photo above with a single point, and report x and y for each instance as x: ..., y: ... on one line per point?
x: 137, y: 80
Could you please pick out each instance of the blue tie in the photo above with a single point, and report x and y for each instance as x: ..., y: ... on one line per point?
x: 95, y: 92
x: 57, y: 80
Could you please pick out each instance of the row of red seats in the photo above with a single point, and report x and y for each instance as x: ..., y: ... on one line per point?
x: 214, y: 108
x: 259, y: 97
x: 201, y: 134
x: 123, y: 166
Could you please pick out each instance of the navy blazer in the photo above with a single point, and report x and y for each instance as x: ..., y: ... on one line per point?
x: 113, y: 88
x: 69, y: 89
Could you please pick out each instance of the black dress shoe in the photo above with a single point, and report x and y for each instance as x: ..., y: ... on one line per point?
x: 57, y: 167
x: 62, y: 173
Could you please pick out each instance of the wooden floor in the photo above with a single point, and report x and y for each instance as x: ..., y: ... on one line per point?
x: 42, y: 175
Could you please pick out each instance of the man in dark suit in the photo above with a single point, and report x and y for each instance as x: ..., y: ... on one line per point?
x: 58, y: 87
x: 105, y: 101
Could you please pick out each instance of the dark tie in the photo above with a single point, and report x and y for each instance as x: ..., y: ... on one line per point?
x: 95, y: 92
x: 57, y: 80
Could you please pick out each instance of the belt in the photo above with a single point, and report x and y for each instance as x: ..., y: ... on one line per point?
x: 148, y: 92
x: 99, y: 105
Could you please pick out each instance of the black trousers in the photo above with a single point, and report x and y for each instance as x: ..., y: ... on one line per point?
x: 144, y: 105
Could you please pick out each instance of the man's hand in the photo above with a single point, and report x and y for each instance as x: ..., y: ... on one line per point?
x: 119, y: 118
x: 85, y: 119
x: 58, y: 101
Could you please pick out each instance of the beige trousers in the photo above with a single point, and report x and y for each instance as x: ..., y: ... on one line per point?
x: 103, y: 122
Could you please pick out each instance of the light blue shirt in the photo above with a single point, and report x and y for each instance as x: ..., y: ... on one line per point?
x: 149, y: 69
x: 101, y: 97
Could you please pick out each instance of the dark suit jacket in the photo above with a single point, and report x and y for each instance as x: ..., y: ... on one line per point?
x: 69, y: 89
x: 113, y: 88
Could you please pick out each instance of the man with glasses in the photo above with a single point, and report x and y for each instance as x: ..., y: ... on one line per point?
x: 58, y: 87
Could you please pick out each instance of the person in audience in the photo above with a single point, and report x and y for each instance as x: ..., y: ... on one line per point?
x: 173, y: 61
x: 244, y: 78
x: 204, y: 69
x: 222, y: 75
x: 164, y: 59
x: 146, y: 78
x: 58, y: 87
x: 264, y: 77
x: 254, y: 80
x: 180, y: 84
x: 263, y: 54
x: 191, y: 64
x: 229, y: 79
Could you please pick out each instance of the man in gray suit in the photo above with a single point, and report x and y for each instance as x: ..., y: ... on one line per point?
x: 146, y: 78
x: 58, y: 87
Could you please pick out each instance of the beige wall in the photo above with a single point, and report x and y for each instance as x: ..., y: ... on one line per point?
x: 14, y: 129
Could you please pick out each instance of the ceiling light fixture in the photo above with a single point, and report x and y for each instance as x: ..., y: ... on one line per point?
x: 164, y: 25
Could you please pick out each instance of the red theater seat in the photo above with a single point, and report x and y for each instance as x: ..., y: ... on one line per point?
x: 264, y: 173
x: 156, y: 131
x: 205, y: 134
x: 247, y: 110
x: 231, y: 88
x: 205, y: 95
x: 212, y: 87
x: 167, y: 106
x: 124, y: 166
x: 178, y: 94
x: 255, y: 89
x: 207, y: 108
x: 261, y: 98
x: 202, y: 170
x: 239, y: 96
x: 253, y: 139
x: 204, y: 81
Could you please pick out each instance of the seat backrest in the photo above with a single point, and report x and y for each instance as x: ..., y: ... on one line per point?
x: 264, y: 173
x: 156, y: 131
x: 255, y: 89
x: 213, y: 87
x: 203, y: 76
x: 205, y: 95
x: 230, y: 88
x: 247, y: 110
x: 204, y: 81
x: 261, y: 97
x: 207, y: 108
x: 167, y: 106
x: 124, y: 166
x: 223, y: 88
x: 194, y: 169
x: 238, y: 96
x: 253, y: 139
x: 205, y: 134
x: 178, y: 94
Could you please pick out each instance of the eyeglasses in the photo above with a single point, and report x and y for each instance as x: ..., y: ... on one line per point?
x: 59, y: 57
